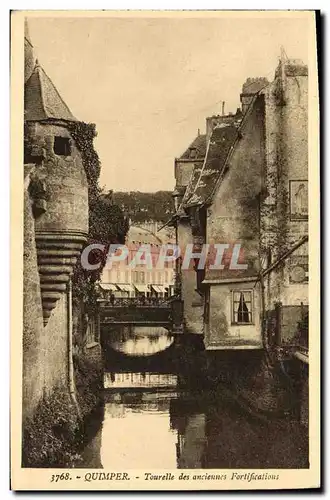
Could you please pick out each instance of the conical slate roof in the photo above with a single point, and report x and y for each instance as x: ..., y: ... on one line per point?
x: 29, y: 59
x: 42, y: 100
x: 27, y: 32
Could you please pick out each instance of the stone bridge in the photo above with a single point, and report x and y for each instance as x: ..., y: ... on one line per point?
x: 133, y: 311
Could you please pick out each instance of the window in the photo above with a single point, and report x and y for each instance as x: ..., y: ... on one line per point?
x: 90, y: 334
x: 62, y: 146
x: 142, y: 278
x: 299, y: 199
x: 242, y: 306
x: 127, y: 277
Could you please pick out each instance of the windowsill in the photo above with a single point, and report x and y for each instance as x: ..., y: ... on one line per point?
x: 298, y: 219
x: 242, y: 324
x: 233, y: 346
x: 298, y: 283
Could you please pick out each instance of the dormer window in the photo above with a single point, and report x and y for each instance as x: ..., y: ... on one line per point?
x: 192, y: 152
x: 62, y: 146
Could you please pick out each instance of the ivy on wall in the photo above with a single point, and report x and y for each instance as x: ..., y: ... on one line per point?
x: 84, y: 135
x: 275, y: 213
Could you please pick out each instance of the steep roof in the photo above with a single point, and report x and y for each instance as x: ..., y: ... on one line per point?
x: 29, y: 59
x: 204, y: 179
x: 197, y: 170
x: 199, y: 145
x: 42, y: 100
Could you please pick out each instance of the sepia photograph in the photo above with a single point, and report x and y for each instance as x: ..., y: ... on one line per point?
x: 165, y: 206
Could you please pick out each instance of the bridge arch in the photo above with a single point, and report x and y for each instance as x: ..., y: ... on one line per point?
x: 139, y: 340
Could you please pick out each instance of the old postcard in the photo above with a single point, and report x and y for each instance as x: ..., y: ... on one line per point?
x: 165, y: 250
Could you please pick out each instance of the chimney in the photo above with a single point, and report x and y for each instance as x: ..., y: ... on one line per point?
x: 286, y: 69
x: 223, y: 108
x: 291, y: 67
x: 251, y: 87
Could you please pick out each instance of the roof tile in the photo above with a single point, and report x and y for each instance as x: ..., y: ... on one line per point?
x: 204, y: 180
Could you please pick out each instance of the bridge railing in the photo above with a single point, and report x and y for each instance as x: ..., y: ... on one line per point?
x: 133, y: 302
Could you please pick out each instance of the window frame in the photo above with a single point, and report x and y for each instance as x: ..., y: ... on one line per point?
x: 294, y: 216
x: 242, y: 290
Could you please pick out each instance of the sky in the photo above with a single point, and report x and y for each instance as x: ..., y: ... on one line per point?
x: 149, y: 83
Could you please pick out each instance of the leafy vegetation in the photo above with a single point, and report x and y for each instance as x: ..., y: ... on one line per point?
x: 50, y: 439
x: 89, y: 383
x: 53, y: 437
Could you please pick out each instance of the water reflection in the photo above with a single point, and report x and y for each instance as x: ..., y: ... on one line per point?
x: 162, y: 427
x: 139, y: 380
x: 139, y: 340
x: 191, y: 443
x: 150, y: 421
x: 136, y: 432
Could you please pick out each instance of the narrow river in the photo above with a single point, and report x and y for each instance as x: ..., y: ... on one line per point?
x: 148, y: 421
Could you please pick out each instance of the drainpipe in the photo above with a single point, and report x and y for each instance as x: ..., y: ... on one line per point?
x: 72, y: 388
x: 178, y: 283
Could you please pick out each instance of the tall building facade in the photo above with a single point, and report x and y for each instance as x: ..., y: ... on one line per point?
x: 138, y: 274
x: 250, y: 188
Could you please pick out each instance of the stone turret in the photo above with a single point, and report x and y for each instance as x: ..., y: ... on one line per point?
x: 58, y: 185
